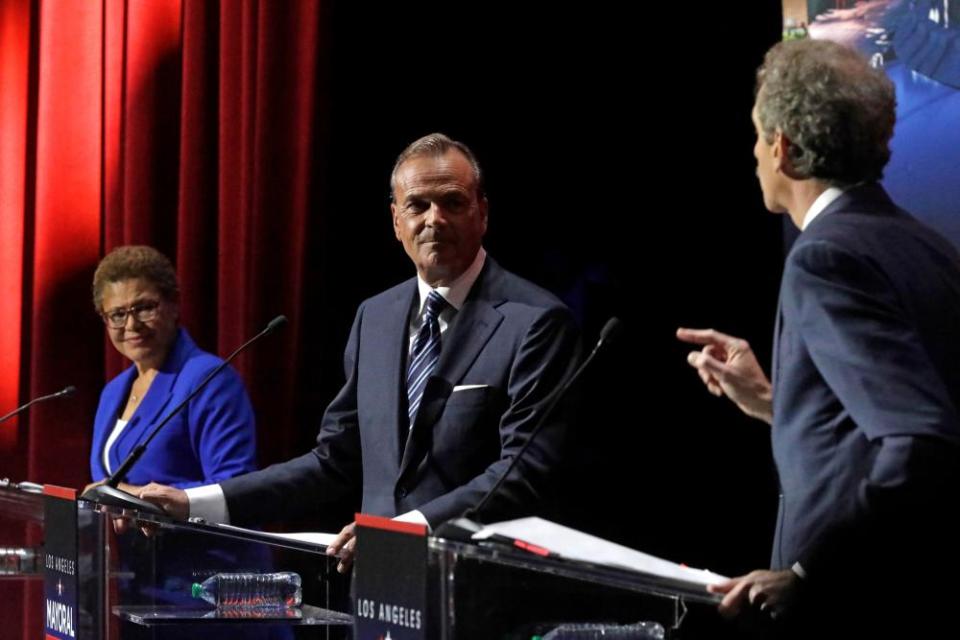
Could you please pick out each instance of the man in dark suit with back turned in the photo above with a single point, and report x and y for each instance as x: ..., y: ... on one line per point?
x: 866, y: 366
x: 446, y: 376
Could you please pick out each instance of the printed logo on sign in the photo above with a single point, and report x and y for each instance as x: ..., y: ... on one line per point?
x: 60, y: 619
x: 390, y: 613
x: 61, y: 597
x: 62, y: 612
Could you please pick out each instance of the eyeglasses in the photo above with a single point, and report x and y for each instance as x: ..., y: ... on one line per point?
x: 141, y: 311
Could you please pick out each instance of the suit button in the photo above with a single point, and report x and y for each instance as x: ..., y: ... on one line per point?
x: 402, y: 492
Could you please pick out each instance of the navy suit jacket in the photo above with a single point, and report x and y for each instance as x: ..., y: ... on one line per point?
x: 511, y: 339
x: 211, y: 439
x: 866, y: 388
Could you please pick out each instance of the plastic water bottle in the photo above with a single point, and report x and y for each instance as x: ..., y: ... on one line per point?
x: 19, y: 561
x: 591, y: 631
x: 250, y: 590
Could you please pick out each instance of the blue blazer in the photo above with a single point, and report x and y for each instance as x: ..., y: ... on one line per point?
x: 866, y: 387
x: 511, y: 341
x: 211, y: 439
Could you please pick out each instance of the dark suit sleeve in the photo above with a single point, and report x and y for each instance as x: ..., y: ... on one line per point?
x: 327, y: 475
x: 869, y: 352
x: 543, y: 357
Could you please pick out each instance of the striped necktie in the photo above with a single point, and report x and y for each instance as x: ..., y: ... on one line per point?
x: 425, y: 352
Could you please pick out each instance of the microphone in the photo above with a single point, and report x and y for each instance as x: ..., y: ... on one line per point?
x: 108, y: 493
x: 63, y: 393
x: 463, y: 527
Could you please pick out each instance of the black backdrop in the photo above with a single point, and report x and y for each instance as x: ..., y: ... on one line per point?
x: 617, y: 149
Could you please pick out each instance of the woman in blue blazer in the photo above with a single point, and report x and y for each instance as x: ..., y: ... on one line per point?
x: 136, y: 293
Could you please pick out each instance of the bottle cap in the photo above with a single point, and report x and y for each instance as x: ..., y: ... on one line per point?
x: 196, y: 590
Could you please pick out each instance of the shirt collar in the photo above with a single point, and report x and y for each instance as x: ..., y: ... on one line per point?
x: 823, y: 201
x: 456, y: 292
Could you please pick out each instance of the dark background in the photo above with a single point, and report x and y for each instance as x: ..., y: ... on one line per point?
x: 617, y: 150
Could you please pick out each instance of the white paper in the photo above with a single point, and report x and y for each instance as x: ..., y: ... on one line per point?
x: 576, y: 545
x: 313, y: 537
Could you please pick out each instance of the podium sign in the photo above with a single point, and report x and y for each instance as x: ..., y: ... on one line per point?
x: 390, y: 580
x: 60, y: 580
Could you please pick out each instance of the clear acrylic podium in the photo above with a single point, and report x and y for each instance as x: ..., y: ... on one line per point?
x: 131, y: 586
x: 469, y: 591
x: 21, y: 533
x: 146, y: 582
x: 486, y: 592
x: 21, y: 551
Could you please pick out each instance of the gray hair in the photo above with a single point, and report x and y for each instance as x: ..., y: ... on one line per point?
x: 836, y: 110
x: 434, y: 145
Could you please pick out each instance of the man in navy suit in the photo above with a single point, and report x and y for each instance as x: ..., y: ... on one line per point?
x: 446, y: 376
x: 865, y: 387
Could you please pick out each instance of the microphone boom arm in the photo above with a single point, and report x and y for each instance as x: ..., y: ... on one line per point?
x: 108, y: 493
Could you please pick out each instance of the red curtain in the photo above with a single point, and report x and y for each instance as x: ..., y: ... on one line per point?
x: 190, y: 125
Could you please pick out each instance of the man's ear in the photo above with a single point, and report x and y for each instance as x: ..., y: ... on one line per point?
x: 782, y: 161
x: 396, y: 220
x: 484, y: 208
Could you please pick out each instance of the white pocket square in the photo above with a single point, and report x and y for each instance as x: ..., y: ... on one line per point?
x: 465, y: 387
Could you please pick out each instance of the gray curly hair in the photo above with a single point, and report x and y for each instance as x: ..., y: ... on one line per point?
x: 836, y: 110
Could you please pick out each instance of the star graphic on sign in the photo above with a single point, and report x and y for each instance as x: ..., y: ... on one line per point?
x: 59, y: 587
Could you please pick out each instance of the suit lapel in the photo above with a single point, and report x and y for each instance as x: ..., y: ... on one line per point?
x: 471, y: 329
x: 392, y: 330
x: 144, y: 418
x: 149, y: 413
x: 116, y: 409
x: 462, y: 342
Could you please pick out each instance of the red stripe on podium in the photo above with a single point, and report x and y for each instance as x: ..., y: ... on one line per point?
x: 59, y: 492
x: 378, y: 522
